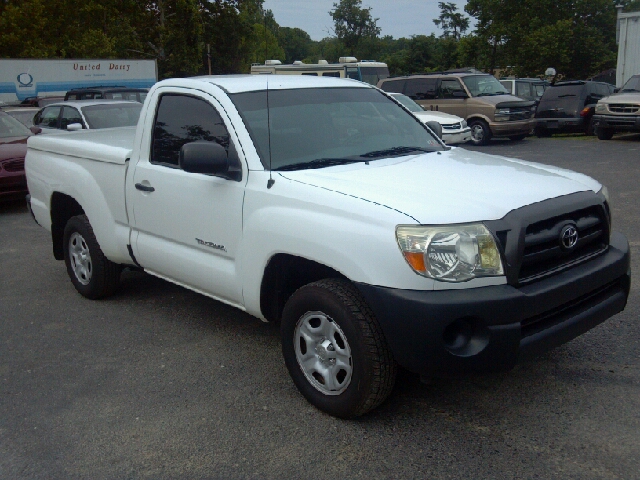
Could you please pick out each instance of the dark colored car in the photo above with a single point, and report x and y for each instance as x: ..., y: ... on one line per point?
x: 13, y: 148
x: 568, y: 107
x: 40, y: 101
x: 115, y: 93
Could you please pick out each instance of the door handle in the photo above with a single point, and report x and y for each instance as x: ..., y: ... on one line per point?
x: 145, y: 188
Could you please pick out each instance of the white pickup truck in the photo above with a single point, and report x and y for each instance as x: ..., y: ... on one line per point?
x: 324, y: 204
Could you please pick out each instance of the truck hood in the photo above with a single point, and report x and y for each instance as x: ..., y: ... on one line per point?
x: 454, y: 186
x: 627, y: 97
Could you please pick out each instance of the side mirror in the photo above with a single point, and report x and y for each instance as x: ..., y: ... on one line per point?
x: 460, y: 94
x: 74, y: 127
x: 204, y: 157
x: 436, y: 128
x: 35, y: 130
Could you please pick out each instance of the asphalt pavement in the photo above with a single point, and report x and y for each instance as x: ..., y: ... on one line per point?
x: 160, y: 382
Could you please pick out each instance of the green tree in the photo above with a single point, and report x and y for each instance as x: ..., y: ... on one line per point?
x: 297, y: 43
x: 451, y: 21
x: 353, y: 23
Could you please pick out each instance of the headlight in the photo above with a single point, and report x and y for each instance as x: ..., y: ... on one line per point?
x: 464, y: 124
x: 601, y: 107
x: 502, y: 114
x: 450, y: 253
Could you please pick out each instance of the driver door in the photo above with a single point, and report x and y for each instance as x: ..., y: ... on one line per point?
x: 187, y: 226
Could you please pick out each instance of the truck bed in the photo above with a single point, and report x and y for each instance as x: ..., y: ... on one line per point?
x: 111, y: 145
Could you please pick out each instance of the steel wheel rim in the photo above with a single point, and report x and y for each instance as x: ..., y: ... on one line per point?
x: 323, y: 353
x: 80, y: 258
x: 477, y: 132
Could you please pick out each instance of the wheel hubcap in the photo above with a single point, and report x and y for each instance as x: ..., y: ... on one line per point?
x: 477, y: 133
x: 80, y: 258
x: 323, y: 353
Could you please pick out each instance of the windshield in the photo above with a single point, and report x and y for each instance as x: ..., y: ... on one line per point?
x: 484, y: 85
x: 329, y: 126
x: 632, y: 85
x: 372, y: 75
x: 10, y: 127
x: 407, y: 102
x: 112, y: 115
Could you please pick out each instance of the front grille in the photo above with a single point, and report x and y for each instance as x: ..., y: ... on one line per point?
x: 623, y: 108
x: 452, y: 126
x: 519, y: 114
x: 14, y: 165
x: 543, y: 253
x: 621, y: 122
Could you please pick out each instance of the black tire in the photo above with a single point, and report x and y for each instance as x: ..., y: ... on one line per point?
x: 517, y: 138
x: 373, y: 369
x: 93, y: 275
x: 480, y: 132
x: 589, y: 129
x: 604, y: 133
x: 542, y: 132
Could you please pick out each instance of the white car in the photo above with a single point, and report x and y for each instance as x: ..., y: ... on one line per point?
x: 454, y: 128
x: 86, y: 114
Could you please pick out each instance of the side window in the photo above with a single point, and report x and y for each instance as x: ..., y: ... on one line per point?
x: 507, y: 84
x: 331, y: 74
x: 523, y: 89
x: 447, y: 87
x: 72, y: 97
x: 183, y: 119
x: 310, y: 74
x: 602, y: 89
x: 48, y: 117
x: 352, y: 72
x: 420, y: 88
x: 392, y: 86
x: 70, y: 115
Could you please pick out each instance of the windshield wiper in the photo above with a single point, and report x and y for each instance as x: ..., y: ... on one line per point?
x: 394, y: 151
x: 490, y: 94
x: 319, y: 163
x: 629, y: 90
x: 567, y: 95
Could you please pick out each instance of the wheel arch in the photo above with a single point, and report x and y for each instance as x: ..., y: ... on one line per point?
x: 63, y: 207
x: 283, y: 275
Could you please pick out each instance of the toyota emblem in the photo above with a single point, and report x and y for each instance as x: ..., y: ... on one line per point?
x: 568, y: 237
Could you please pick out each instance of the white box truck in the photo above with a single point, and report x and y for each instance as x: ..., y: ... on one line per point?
x: 628, y: 37
x: 20, y: 79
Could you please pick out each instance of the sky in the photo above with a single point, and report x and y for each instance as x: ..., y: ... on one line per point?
x: 398, y: 18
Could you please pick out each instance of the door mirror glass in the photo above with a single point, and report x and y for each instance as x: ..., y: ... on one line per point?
x: 436, y: 127
x: 204, y: 157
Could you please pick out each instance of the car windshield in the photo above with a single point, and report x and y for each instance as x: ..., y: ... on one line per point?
x: 112, y: 115
x: 407, y: 102
x: 564, y: 91
x: 632, y: 85
x: 483, y: 85
x: 372, y: 75
x: 10, y: 127
x: 319, y: 127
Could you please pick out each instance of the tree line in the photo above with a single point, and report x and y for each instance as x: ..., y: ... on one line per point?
x: 576, y: 37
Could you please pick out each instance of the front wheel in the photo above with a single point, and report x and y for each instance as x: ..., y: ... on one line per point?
x: 480, y: 132
x: 335, y: 350
x: 91, y: 273
x: 604, y: 133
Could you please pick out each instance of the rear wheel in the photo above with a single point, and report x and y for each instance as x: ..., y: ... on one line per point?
x: 91, y: 273
x: 480, y: 132
x: 334, y: 349
x: 604, y: 133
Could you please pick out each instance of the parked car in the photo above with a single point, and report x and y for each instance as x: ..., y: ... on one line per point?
x: 323, y: 204
x: 13, y: 148
x: 40, y: 102
x: 525, y: 88
x: 619, y: 112
x: 454, y: 129
x: 23, y: 114
x: 568, y: 107
x: 86, y: 114
x: 114, y: 93
x: 488, y: 108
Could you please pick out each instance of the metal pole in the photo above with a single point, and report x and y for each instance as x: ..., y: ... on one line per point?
x: 209, y: 57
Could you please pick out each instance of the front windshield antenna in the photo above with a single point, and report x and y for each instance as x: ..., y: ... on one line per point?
x: 271, y: 181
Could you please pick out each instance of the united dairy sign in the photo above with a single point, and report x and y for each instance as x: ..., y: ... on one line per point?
x: 20, y: 79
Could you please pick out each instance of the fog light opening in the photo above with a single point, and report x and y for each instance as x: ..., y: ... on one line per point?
x: 465, y: 337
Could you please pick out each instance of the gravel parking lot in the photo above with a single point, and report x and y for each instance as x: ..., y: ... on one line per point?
x: 161, y: 382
